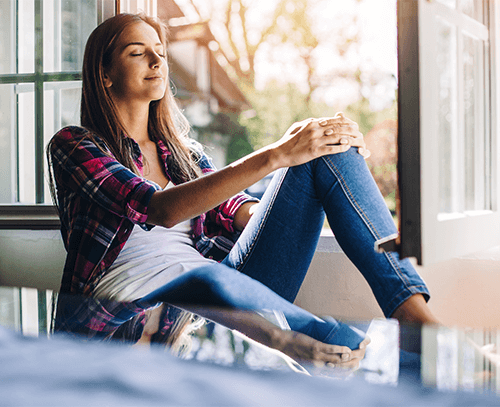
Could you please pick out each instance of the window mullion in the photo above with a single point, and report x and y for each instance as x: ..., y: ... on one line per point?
x: 39, y: 178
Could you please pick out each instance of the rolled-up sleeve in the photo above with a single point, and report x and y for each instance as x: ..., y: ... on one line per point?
x: 88, y: 171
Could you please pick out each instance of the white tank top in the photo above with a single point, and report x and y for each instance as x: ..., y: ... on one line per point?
x: 148, y: 260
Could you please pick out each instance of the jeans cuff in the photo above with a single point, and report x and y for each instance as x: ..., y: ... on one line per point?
x: 345, y: 335
x: 403, y: 296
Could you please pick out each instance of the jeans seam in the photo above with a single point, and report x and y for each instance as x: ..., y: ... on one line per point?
x: 241, y: 264
x: 331, y: 334
x: 365, y: 218
x: 352, y: 199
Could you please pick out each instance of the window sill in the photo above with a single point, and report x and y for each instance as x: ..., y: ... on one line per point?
x: 29, y: 217
x: 327, y: 243
x: 45, y: 217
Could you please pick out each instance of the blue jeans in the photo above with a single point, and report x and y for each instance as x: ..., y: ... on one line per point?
x: 274, y: 252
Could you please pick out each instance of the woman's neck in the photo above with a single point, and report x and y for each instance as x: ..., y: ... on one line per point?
x: 135, y: 120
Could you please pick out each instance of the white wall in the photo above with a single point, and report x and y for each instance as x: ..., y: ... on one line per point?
x: 31, y: 258
x: 464, y: 292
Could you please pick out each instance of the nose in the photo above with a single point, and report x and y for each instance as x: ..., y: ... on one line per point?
x: 156, y: 60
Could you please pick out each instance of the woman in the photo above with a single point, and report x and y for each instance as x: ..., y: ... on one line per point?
x: 132, y: 166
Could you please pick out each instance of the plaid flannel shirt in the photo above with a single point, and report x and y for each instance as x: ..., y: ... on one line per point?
x: 99, y: 202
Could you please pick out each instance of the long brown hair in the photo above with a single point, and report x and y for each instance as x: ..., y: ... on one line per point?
x: 99, y: 114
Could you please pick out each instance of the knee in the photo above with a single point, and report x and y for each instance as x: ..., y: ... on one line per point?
x: 211, y: 277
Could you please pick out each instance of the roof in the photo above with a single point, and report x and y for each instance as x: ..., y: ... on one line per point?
x: 198, y: 31
x: 168, y: 9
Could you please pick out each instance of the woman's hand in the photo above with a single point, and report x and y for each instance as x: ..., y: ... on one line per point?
x: 354, y: 141
x: 313, y: 138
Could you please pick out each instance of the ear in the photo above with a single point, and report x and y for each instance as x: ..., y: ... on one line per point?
x: 107, y: 81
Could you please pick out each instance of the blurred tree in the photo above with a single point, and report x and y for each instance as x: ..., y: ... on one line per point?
x: 380, y: 130
x: 279, y: 105
x: 236, y: 135
x: 290, y: 33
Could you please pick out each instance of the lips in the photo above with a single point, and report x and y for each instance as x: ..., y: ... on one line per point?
x: 154, y: 77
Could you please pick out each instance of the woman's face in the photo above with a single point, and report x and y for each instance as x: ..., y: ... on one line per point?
x: 138, y: 70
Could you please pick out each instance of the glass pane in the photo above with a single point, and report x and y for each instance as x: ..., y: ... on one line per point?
x: 9, y: 307
x: 475, y: 130
x: 473, y: 8
x: 17, y: 46
x: 449, y: 3
x: 8, y: 35
x: 26, y: 36
x: 447, y: 143
x: 61, y: 108
x: 67, y: 25
x: 26, y: 143
x: 7, y: 143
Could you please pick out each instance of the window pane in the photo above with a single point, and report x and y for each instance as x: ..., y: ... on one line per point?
x: 67, y: 25
x: 61, y: 108
x: 449, y: 3
x: 447, y: 143
x: 9, y: 307
x: 7, y: 143
x: 17, y: 31
x: 17, y: 136
x: 26, y: 35
x: 8, y: 35
x: 26, y: 143
x: 473, y: 8
x: 475, y: 129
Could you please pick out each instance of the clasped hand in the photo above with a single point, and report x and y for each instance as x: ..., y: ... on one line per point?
x: 313, y: 138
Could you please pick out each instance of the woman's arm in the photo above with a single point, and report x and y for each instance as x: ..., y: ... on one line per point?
x: 303, y: 142
x: 243, y: 215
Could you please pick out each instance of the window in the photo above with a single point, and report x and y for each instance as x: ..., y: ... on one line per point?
x: 448, y: 153
x: 42, y: 49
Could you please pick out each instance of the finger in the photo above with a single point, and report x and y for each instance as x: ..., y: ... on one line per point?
x: 334, y: 149
x: 353, y: 141
x: 365, y: 342
x: 335, y: 349
x: 364, y: 152
x: 341, y: 129
x: 358, y: 354
x: 329, y: 121
x: 332, y: 353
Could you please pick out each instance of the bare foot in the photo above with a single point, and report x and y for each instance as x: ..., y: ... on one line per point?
x: 415, y: 310
x: 303, y: 347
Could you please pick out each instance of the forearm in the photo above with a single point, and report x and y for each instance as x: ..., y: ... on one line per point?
x: 185, y: 201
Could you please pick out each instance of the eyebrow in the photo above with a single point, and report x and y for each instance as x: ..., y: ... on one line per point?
x: 141, y: 44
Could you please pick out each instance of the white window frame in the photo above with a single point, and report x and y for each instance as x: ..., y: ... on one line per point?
x: 425, y: 234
